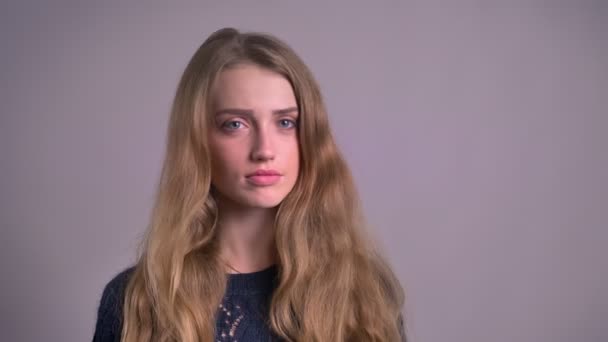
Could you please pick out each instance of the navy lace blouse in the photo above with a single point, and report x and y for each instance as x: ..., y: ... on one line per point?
x: 242, y: 315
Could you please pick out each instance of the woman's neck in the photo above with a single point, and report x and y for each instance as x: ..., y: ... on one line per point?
x: 246, y: 237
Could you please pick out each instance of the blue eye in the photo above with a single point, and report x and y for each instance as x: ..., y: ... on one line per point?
x: 232, y: 125
x: 287, y: 122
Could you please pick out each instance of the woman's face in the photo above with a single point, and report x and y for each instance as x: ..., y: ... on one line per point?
x: 254, y: 115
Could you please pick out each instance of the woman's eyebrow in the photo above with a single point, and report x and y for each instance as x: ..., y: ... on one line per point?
x: 285, y: 111
x: 249, y: 112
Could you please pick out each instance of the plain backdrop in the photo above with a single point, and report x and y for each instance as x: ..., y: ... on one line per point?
x: 476, y: 131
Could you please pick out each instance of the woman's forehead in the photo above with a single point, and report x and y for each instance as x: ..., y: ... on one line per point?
x: 253, y: 88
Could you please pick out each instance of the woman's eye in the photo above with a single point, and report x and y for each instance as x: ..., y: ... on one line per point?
x: 286, y: 123
x: 232, y: 125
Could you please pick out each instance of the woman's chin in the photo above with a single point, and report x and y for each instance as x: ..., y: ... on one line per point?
x: 266, y: 203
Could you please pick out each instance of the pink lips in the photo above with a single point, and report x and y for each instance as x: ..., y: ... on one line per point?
x: 264, y: 177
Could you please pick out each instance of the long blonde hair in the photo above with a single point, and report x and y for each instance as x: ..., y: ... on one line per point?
x: 333, y: 283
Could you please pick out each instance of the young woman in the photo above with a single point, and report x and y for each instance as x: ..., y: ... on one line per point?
x: 257, y: 232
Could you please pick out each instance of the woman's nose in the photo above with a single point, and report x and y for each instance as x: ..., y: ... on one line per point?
x: 263, y: 147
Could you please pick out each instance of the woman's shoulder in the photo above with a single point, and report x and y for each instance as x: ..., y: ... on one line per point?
x: 113, y: 291
x: 119, y: 281
x: 109, y: 314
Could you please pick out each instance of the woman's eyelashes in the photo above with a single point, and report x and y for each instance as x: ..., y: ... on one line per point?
x: 235, y: 125
x: 232, y: 125
x: 290, y: 123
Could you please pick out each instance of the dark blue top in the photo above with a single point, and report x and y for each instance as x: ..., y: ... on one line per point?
x: 242, y: 316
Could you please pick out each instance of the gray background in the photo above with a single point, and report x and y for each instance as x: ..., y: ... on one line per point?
x: 476, y: 132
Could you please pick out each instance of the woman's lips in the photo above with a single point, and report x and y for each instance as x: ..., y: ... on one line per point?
x: 263, y: 180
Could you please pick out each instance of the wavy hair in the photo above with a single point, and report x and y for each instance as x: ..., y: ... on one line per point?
x: 333, y: 285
